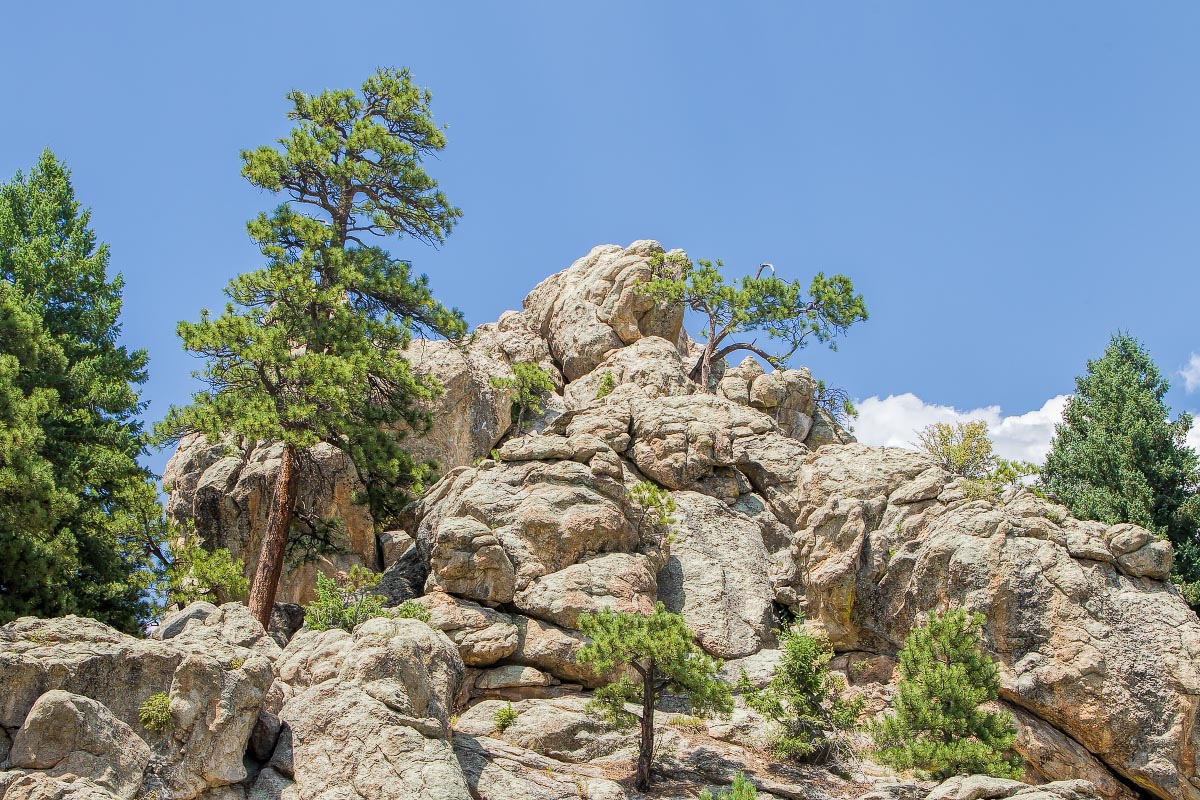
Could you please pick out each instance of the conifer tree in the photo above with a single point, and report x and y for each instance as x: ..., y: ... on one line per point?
x: 937, y: 725
x: 804, y: 698
x: 658, y: 647
x: 77, y: 436
x: 311, y: 348
x: 779, y: 308
x: 1117, y: 457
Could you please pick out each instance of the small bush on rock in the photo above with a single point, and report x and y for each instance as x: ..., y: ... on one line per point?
x: 155, y: 713
x: 345, y: 602
x: 504, y: 717
x: 532, y: 385
x: 198, y: 574
x: 410, y: 610
x: 937, y: 726
x: 741, y: 789
x: 607, y: 384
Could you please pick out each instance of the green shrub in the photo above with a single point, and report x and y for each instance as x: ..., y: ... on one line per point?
x: 410, y: 610
x: 198, y: 574
x: 346, y: 602
x: 804, y: 698
x: 532, y: 385
x: 656, y: 503
x: 505, y: 716
x: 741, y: 789
x: 155, y: 713
x: 938, y: 726
x: 607, y: 384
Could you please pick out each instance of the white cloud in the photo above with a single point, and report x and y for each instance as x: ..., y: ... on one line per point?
x: 1193, y: 437
x: 894, y: 421
x: 1191, y: 374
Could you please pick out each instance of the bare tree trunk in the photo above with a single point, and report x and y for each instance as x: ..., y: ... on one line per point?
x: 274, y: 546
x: 646, y: 751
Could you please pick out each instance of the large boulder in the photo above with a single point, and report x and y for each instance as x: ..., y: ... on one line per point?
x: 1091, y: 639
x: 69, y: 734
x: 368, y: 712
x: 590, y: 309
x: 97, y: 679
x: 472, y: 412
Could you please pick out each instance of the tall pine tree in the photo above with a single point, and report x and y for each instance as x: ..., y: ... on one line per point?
x: 78, y: 434
x: 311, y: 348
x: 1117, y: 457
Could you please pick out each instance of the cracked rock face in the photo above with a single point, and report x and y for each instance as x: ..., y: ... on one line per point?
x: 779, y: 512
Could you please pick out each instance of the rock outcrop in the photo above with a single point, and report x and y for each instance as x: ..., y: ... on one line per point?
x: 779, y: 513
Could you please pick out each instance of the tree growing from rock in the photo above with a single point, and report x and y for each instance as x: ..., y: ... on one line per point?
x: 311, y: 347
x: 937, y: 725
x: 531, y: 385
x: 1117, y: 457
x: 805, y: 700
x: 780, y: 309
x: 69, y: 404
x: 659, y: 650
x: 962, y: 448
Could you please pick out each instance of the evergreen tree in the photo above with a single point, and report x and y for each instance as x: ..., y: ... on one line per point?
x: 531, y: 384
x: 804, y: 698
x: 311, y: 348
x: 659, y: 649
x: 79, y: 386
x: 777, y: 307
x: 937, y: 725
x: 1116, y: 457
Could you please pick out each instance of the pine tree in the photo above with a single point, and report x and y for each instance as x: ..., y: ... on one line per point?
x: 311, y: 348
x: 937, y: 725
x: 658, y: 647
x: 1116, y: 457
x: 804, y: 699
x: 779, y: 308
x: 81, y: 422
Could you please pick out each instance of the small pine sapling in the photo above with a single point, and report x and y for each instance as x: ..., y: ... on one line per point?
x: 804, y: 699
x: 657, y: 647
x: 937, y: 726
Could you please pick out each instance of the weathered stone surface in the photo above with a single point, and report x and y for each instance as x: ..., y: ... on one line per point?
x: 651, y: 365
x: 512, y: 676
x: 215, y: 688
x: 983, y: 787
x: 403, y: 663
x: 373, y: 705
x: 552, y: 649
x: 497, y: 770
x: 493, y: 531
x: 591, y: 308
x: 21, y: 785
x: 200, y: 624
x: 560, y: 728
x: 472, y: 412
x: 787, y: 396
x: 271, y: 785
x: 483, y: 635
x: 717, y: 577
x: 68, y: 734
x: 226, y: 492
x: 1106, y: 656
x: 620, y: 581
x: 349, y: 744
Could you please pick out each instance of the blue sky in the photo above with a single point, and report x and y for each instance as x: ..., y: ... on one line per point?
x: 1005, y: 184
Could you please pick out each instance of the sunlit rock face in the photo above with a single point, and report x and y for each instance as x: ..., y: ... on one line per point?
x: 779, y: 514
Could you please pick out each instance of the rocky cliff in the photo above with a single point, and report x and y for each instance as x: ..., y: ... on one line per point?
x: 779, y: 514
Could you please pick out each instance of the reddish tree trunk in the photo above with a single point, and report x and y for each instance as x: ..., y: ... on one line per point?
x: 274, y: 546
x: 646, y: 751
